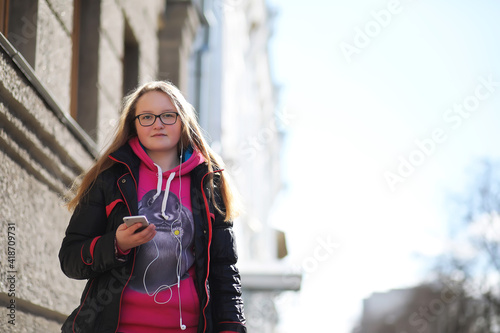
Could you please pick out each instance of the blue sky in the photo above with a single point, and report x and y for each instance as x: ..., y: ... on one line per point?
x: 424, y: 70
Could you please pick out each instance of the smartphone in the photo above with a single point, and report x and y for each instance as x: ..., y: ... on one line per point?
x: 131, y: 220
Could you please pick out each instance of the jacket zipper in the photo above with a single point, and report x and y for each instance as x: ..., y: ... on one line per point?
x: 207, y: 211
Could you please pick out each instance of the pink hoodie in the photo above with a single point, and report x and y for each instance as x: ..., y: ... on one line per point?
x: 161, y: 296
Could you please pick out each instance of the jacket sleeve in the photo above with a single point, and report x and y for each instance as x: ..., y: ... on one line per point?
x: 88, y: 248
x: 225, y: 282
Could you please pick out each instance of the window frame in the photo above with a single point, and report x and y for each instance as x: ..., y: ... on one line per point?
x: 4, y: 17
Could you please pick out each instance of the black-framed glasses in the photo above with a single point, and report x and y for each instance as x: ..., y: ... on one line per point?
x: 148, y: 119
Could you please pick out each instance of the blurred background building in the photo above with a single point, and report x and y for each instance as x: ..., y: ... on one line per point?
x: 428, y: 308
x: 65, y: 67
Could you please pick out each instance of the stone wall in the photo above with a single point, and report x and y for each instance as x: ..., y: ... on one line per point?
x: 39, y: 159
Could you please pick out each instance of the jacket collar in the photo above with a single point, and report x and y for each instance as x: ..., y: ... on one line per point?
x: 126, y: 155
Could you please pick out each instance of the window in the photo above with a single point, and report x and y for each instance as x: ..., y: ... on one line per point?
x: 4, y: 18
x: 18, y: 22
x: 75, y: 39
x: 130, y: 61
x: 86, y: 24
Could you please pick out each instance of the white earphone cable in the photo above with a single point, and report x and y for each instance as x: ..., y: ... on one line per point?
x: 177, y: 236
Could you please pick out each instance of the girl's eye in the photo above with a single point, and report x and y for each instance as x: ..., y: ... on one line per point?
x: 146, y: 117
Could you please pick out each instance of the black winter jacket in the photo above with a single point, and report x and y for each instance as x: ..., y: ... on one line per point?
x: 88, y: 251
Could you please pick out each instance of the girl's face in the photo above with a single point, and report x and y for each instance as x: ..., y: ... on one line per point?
x: 157, y: 138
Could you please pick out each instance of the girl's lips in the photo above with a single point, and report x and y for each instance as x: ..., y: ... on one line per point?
x: 159, y: 135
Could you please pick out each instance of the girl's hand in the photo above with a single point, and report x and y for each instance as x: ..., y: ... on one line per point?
x: 126, y: 238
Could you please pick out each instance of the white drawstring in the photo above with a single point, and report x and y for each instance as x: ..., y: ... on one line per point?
x: 160, y: 181
x: 167, y: 190
x: 165, y: 197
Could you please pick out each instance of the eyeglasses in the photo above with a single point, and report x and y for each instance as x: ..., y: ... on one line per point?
x: 148, y: 119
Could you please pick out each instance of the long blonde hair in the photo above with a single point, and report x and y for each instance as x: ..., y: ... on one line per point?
x: 191, y: 135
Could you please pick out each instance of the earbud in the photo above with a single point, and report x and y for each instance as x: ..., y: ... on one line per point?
x: 183, y: 327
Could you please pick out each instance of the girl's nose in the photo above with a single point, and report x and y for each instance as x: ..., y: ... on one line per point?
x: 158, y: 123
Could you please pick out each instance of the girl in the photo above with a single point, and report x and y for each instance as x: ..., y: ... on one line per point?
x: 178, y: 274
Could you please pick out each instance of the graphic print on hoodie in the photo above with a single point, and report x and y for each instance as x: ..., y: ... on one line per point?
x: 154, y: 257
x: 150, y: 302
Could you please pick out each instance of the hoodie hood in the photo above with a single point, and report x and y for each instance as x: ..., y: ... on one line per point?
x: 191, y: 159
x: 149, y: 170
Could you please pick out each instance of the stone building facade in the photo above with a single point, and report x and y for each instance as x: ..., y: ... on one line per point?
x: 65, y: 66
